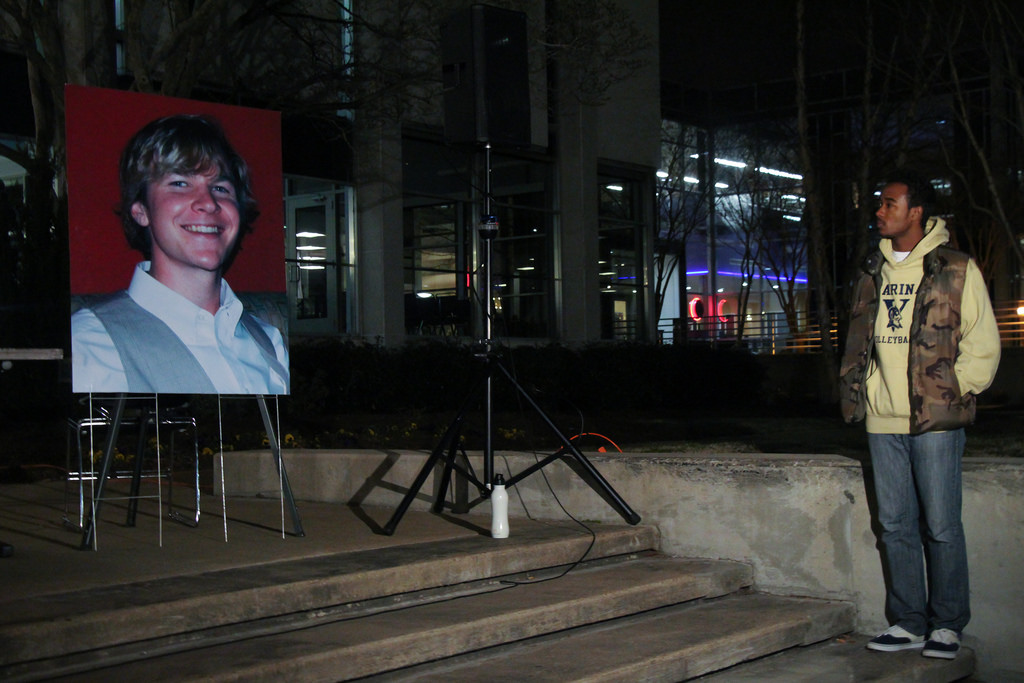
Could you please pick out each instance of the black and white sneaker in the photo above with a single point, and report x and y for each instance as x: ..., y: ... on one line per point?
x: 943, y: 643
x: 895, y: 638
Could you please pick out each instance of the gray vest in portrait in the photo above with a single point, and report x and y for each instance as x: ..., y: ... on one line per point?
x: 154, y: 357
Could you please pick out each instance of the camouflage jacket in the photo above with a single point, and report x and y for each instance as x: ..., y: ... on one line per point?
x: 936, y: 402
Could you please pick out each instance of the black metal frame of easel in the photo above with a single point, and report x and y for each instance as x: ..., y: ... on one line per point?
x: 449, y: 449
x: 89, y: 528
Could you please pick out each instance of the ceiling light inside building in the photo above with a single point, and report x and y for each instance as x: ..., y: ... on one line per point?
x: 780, y: 174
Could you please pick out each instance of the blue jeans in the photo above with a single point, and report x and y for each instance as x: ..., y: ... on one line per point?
x: 918, y: 486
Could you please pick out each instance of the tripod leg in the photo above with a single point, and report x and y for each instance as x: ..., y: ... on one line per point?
x: 456, y: 462
x: 448, y: 444
x: 460, y: 485
x: 446, y: 476
x: 602, y: 485
x: 389, y: 528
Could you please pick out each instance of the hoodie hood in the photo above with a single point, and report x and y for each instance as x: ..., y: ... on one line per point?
x: 935, y: 234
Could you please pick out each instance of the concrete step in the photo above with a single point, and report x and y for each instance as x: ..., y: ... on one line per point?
x: 846, y: 659
x: 57, y: 625
x: 671, y: 644
x: 511, y: 609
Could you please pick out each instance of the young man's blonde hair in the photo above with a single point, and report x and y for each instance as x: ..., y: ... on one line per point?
x: 183, y: 144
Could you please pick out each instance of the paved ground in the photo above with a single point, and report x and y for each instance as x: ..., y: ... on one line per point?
x: 47, y: 559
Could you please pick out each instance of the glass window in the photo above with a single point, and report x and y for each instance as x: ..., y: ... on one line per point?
x: 436, y: 277
x: 620, y: 258
x: 522, y: 273
x: 443, y: 253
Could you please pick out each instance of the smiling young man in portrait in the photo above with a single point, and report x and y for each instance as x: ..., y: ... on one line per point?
x: 186, y: 204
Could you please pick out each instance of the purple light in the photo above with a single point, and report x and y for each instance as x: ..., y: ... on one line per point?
x: 776, y: 278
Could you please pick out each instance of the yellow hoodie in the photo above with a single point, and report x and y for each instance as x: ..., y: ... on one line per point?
x: 887, y: 387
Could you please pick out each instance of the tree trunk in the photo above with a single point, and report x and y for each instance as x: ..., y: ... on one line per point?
x: 819, y: 275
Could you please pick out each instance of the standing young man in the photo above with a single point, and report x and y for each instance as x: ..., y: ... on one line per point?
x: 923, y: 342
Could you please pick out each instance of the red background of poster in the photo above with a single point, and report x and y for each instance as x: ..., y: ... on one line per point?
x: 99, y: 124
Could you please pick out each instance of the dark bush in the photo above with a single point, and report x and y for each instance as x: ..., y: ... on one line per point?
x: 341, y: 377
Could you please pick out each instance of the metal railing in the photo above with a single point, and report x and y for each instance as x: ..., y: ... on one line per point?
x: 1011, y: 323
x: 761, y: 333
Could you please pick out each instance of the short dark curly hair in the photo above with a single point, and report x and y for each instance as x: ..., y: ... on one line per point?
x: 920, y: 192
x: 183, y: 143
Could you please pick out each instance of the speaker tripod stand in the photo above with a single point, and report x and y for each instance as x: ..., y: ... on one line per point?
x: 449, y: 449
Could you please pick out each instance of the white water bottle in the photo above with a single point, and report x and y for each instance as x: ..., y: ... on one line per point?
x: 499, y: 509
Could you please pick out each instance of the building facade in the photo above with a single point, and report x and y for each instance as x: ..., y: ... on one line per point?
x: 381, y: 231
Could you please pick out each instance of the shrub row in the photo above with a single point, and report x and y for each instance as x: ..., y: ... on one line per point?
x: 338, y: 376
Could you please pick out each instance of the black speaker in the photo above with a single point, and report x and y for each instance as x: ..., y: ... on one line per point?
x: 485, y: 76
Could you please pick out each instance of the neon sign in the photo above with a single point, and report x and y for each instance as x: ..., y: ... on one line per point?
x: 696, y: 309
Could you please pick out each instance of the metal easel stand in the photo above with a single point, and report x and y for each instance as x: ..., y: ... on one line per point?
x: 116, y: 420
x: 275, y: 447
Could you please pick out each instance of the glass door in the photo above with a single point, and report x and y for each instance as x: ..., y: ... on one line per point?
x: 312, y: 258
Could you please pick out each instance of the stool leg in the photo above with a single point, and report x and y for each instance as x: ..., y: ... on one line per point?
x: 76, y: 427
x: 133, y: 497
x: 67, y: 471
x: 81, y: 476
x: 172, y: 513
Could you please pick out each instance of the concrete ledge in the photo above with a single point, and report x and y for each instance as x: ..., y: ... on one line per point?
x: 31, y: 354
x: 802, y: 521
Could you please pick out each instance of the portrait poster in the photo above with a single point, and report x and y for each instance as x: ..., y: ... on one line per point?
x: 140, y: 322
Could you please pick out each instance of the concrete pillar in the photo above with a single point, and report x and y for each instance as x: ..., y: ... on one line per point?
x: 577, y: 295
x: 380, y: 314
